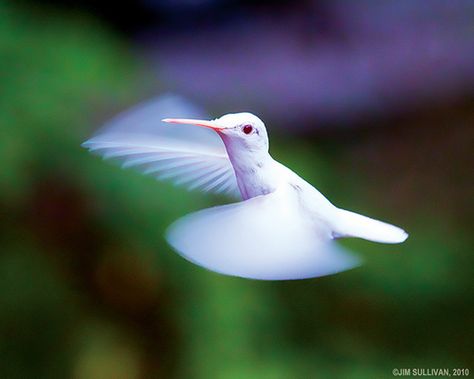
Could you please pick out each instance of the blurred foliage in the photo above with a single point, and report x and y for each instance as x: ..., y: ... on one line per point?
x: 89, y: 288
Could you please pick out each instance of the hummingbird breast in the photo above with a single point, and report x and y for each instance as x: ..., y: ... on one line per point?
x: 252, y: 185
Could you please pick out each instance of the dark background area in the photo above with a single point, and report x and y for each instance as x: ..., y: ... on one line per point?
x: 372, y: 102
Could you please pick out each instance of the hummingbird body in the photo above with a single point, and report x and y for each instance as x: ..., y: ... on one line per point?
x: 283, y: 228
x: 257, y: 174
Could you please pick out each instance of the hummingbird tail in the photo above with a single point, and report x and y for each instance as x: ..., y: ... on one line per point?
x: 350, y: 224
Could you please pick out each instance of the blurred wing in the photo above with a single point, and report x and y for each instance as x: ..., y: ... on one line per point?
x: 265, y: 238
x: 196, y: 167
x: 188, y: 155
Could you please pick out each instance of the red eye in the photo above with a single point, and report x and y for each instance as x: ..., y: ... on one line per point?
x: 247, y: 129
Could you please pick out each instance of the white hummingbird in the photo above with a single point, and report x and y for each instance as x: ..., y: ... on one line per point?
x: 283, y: 228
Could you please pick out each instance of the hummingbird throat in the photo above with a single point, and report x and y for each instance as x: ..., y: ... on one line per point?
x: 254, y: 174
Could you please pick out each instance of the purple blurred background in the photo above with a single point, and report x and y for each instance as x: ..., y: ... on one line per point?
x: 326, y: 60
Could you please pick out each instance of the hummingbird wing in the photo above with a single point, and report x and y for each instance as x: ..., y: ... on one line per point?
x: 266, y: 237
x: 190, y: 156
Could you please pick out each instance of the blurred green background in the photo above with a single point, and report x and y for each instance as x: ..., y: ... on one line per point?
x: 90, y: 289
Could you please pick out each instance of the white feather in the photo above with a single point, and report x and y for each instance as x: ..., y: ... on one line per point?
x: 190, y: 156
x: 264, y: 237
x: 350, y: 224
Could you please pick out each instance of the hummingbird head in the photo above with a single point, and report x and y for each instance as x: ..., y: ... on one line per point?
x: 243, y: 132
x: 246, y: 141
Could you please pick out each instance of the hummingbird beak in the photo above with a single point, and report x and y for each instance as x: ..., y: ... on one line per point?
x: 204, y: 123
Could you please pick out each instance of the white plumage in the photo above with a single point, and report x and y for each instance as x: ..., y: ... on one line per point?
x: 194, y: 166
x: 189, y: 156
x: 264, y: 237
x: 283, y: 229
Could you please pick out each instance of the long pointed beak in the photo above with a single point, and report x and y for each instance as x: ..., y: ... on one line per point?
x: 190, y: 121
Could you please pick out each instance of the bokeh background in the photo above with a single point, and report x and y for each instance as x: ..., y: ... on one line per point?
x: 370, y: 101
